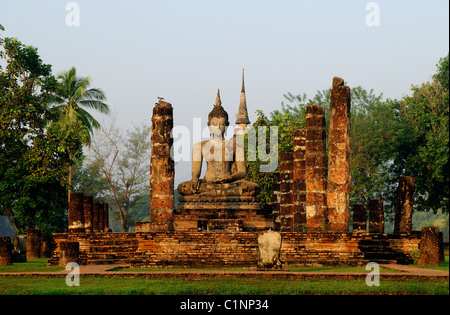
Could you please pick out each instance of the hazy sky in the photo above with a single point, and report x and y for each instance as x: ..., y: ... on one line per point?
x: 138, y: 50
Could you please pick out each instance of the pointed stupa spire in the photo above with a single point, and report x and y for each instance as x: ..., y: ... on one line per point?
x: 242, y: 117
x: 218, y: 101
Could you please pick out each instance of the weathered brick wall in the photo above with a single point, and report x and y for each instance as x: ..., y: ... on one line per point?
x: 224, y: 249
x: 316, y: 169
x: 376, y: 216
x: 286, y: 193
x: 76, y: 213
x: 298, y: 177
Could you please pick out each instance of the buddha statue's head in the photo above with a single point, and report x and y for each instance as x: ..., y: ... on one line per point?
x: 218, y: 118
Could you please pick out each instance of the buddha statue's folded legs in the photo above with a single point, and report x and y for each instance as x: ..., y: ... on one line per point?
x: 204, y: 188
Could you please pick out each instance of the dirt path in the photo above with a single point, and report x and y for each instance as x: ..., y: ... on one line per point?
x: 402, y: 272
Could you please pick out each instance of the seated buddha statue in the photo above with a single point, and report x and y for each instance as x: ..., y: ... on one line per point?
x: 225, y: 162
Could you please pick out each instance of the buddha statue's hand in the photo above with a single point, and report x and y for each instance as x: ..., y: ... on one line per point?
x: 194, y: 183
x: 222, y: 179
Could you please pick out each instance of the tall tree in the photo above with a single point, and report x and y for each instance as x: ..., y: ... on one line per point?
x: 70, y: 103
x: 33, y: 159
x: 124, y: 164
x: 424, y: 143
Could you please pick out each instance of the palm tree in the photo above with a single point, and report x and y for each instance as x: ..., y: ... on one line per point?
x: 70, y: 102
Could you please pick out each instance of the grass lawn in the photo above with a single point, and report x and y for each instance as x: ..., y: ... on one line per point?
x: 444, y: 266
x: 31, y: 265
x: 138, y: 286
x: 287, y: 268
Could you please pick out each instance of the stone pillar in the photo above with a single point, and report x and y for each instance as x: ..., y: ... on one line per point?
x: 286, y: 194
x: 76, y: 213
x: 339, y: 175
x: 299, y: 185
x: 33, y: 243
x: 105, y: 217
x: 95, y: 216
x: 5, y: 251
x: 315, y: 169
x: 429, y: 246
x: 101, y: 217
x: 404, y: 205
x: 46, y: 245
x: 359, y: 219
x: 88, y: 211
x: 376, y: 216
x: 20, y: 243
x: 162, y: 169
x: 69, y: 252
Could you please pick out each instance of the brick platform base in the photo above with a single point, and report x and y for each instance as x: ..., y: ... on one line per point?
x: 225, y: 249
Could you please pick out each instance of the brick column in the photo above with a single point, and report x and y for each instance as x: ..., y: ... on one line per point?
x: 376, y: 216
x: 162, y: 168
x: 88, y: 204
x: 68, y: 252
x: 429, y: 246
x: 315, y: 169
x: 46, y: 245
x: 404, y: 205
x: 76, y: 213
x: 359, y: 219
x: 339, y: 175
x: 276, y: 199
x: 33, y: 243
x: 95, y: 216
x: 299, y: 185
x: 286, y: 194
x: 101, y: 216
x: 5, y: 251
x: 106, y: 217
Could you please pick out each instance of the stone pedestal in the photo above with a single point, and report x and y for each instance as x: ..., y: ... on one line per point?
x: 376, y: 216
x: 316, y: 169
x: 226, y: 213
x: 404, y: 205
x: 299, y: 185
x: 68, y: 253
x: 76, y: 213
x: 339, y: 176
x: 429, y: 246
x: 162, y: 167
x: 33, y: 243
x: 5, y: 251
x: 359, y: 219
x: 88, y: 205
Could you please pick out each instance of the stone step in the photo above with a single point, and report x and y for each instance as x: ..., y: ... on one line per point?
x: 102, y: 261
x: 373, y: 248
x: 383, y: 261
